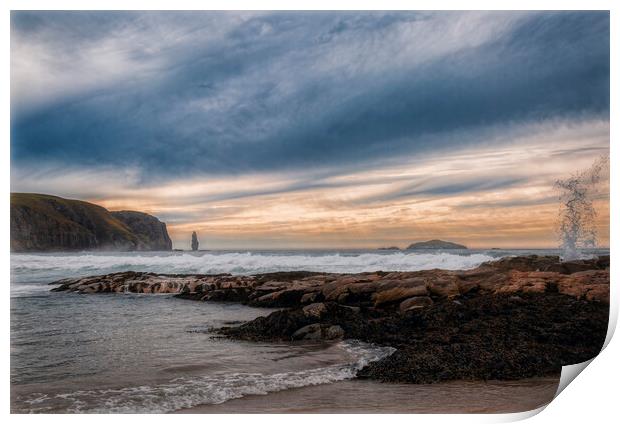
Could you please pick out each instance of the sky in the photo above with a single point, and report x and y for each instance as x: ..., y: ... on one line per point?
x: 314, y: 129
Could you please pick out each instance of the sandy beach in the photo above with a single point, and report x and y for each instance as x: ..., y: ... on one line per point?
x: 368, y: 397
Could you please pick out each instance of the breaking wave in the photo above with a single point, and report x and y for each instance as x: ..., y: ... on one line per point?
x: 187, y: 392
x: 65, y: 265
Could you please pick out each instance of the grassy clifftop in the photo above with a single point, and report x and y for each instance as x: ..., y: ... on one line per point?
x: 41, y: 222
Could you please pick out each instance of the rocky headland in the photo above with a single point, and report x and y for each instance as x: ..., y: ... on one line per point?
x: 513, y: 318
x: 41, y: 222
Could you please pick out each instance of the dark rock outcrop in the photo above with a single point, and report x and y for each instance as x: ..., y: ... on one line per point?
x: 48, y: 223
x: 498, y: 337
x: 435, y: 244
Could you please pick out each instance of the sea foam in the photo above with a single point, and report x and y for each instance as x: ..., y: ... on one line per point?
x: 187, y: 392
x: 64, y: 265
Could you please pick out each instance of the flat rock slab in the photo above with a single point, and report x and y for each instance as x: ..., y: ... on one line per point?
x: 587, y: 280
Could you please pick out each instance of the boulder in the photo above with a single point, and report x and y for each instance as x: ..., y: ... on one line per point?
x: 444, y: 286
x: 387, y: 284
x: 589, y: 285
x: 598, y: 294
x: 524, y: 263
x: 308, y: 332
x: 311, y: 297
x: 318, y: 332
x: 333, y: 332
x: 397, y: 294
x: 282, y: 298
x: 315, y: 310
x: 417, y: 302
x: 527, y: 282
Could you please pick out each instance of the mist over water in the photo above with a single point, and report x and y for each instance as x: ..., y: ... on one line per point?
x: 577, y: 215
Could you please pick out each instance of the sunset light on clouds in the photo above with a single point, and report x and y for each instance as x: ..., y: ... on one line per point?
x: 293, y: 130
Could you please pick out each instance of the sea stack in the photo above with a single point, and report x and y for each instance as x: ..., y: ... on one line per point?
x: 195, y: 241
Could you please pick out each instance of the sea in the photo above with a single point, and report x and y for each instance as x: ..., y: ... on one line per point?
x: 139, y: 353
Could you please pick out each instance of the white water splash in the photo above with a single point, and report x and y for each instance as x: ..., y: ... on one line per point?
x: 577, y: 213
x: 186, y: 392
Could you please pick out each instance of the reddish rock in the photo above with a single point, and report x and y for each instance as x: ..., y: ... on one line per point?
x: 314, y: 310
x: 530, y: 274
x: 598, y: 294
x: 590, y: 285
x: 445, y: 285
x: 417, y: 302
x: 397, y: 294
x: 310, y: 297
x: 527, y: 282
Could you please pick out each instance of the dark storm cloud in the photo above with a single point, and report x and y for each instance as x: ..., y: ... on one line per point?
x: 212, y: 93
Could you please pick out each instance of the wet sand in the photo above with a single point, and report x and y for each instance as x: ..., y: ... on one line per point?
x: 366, y: 396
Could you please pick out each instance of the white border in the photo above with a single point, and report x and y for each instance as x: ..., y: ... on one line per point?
x: 592, y: 397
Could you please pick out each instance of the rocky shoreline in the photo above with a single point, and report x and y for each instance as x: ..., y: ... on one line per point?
x: 508, y: 319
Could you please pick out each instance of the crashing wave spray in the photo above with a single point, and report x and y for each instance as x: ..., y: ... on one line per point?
x: 577, y: 228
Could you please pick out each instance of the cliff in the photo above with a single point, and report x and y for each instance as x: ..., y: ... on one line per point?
x: 41, y: 222
x: 436, y: 244
x: 150, y: 231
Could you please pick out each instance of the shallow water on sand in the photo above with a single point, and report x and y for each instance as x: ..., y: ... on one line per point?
x: 371, y: 397
x: 141, y: 353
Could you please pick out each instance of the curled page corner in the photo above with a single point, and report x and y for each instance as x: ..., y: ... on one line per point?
x: 520, y: 416
x: 613, y: 319
x: 569, y: 373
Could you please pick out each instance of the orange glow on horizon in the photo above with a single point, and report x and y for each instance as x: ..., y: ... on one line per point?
x: 506, y: 200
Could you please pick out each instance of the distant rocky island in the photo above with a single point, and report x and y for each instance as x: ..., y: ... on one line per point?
x: 435, y: 244
x: 41, y: 222
x: 389, y: 248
